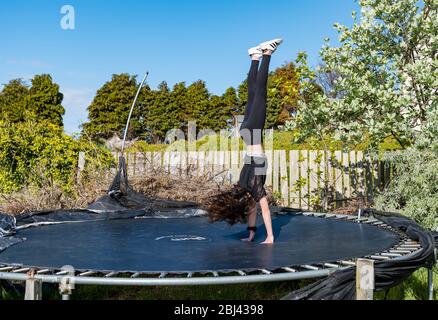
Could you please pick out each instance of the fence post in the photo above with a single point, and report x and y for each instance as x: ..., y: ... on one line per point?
x: 364, y: 279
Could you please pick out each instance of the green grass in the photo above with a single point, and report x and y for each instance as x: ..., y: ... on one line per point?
x: 267, y: 291
x: 413, y: 288
x: 264, y: 291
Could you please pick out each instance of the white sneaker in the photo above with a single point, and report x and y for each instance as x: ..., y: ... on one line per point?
x: 255, y: 51
x: 270, y: 45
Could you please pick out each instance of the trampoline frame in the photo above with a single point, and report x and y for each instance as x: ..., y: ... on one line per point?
x: 66, y: 278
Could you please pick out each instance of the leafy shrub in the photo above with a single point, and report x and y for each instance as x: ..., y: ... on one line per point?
x: 39, y: 152
x: 414, y: 191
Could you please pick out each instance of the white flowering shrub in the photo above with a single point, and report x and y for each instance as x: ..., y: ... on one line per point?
x: 387, y: 72
x: 386, y: 86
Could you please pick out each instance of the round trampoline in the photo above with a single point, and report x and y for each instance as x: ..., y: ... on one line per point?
x: 125, y: 238
x: 181, y: 245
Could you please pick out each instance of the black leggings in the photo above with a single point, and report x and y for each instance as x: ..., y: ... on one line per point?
x: 255, y: 113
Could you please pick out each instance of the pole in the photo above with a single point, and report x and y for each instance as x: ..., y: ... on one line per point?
x: 132, y: 109
x: 430, y: 283
x: 430, y: 277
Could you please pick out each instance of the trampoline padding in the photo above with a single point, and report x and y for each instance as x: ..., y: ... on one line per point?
x: 193, y: 244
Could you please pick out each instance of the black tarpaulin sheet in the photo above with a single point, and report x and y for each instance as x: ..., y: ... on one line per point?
x: 121, y: 197
x: 341, y: 284
x: 120, y: 202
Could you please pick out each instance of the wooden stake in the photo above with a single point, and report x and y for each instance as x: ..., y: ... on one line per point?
x: 364, y: 279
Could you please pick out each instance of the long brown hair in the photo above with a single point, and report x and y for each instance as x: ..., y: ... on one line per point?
x: 231, y: 205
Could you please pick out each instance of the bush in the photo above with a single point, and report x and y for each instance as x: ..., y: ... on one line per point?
x: 414, y: 190
x: 283, y: 140
x: 37, y: 153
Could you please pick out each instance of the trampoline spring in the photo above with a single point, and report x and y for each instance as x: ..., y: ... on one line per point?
x: 410, y: 246
x: 390, y: 254
x: 400, y: 251
x: 6, y: 268
x: 135, y: 275
x: 111, y: 274
x: 240, y: 272
x: 289, y: 269
x: 162, y: 275
x: 331, y: 265
x: 379, y: 257
x: 408, y: 249
x: 43, y: 271
x: 265, y: 271
x: 21, y: 270
x: 347, y: 263
x: 61, y: 273
x: 367, y: 221
x: 411, y: 243
x: 319, y: 215
x: 309, y: 267
x: 86, y: 273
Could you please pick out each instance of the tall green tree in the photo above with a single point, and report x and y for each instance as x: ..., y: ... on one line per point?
x: 45, y: 100
x: 198, y: 105
x: 13, y: 101
x: 283, y: 93
x: 109, y: 110
x: 179, y: 106
x: 231, y: 102
x: 41, y: 102
x: 161, y: 114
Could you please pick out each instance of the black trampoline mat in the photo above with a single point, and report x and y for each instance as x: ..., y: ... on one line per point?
x: 193, y: 244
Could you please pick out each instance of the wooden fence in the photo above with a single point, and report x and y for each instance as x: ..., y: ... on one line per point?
x: 307, y: 179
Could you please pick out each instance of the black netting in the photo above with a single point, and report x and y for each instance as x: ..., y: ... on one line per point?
x: 342, y: 284
x: 7, y: 225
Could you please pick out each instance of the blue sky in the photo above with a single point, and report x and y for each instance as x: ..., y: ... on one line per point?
x: 183, y: 40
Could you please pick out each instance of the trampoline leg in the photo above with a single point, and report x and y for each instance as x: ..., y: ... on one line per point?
x: 364, y: 279
x: 66, y: 287
x: 430, y: 283
x: 33, y: 289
